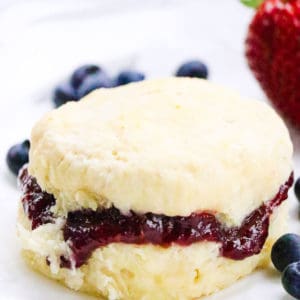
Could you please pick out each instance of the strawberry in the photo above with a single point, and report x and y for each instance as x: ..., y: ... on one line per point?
x: 273, y: 53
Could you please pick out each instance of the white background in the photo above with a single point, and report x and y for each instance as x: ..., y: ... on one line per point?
x: 41, y: 42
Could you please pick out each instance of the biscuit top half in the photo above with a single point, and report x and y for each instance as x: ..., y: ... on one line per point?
x: 170, y: 146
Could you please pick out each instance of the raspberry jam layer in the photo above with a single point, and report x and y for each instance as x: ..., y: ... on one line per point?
x: 86, y: 230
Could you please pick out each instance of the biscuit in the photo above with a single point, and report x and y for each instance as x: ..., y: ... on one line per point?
x: 163, y: 189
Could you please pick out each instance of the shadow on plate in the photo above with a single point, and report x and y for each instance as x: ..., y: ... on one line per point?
x: 271, y: 273
x: 9, y: 178
x: 295, y: 136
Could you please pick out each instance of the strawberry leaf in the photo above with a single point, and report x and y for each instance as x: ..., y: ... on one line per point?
x: 252, y: 3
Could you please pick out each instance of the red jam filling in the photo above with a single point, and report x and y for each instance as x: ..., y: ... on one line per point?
x: 36, y: 203
x: 86, y: 230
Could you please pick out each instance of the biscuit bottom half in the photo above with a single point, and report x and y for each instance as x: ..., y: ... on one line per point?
x: 129, y: 271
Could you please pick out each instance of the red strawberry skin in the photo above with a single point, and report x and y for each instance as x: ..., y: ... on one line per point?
x: 273, y: 54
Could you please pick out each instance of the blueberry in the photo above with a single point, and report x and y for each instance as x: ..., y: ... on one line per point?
x: 94, y: 81
x: 81, y: 73
x: 193, y: 68
x: 291, y: 279
x: 129, y: 76
x: 17, y: 156
x: 297, y: 189
x: 64, y: 93
x: 285, y: 251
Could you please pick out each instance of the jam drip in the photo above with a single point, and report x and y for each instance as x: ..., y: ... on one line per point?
x: 86, y: 230
x: 36, y: 203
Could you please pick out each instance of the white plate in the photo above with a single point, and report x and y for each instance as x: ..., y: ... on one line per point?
x: 42, y: 41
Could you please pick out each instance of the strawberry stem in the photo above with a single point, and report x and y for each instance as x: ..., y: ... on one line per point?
x: 252, y: 3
